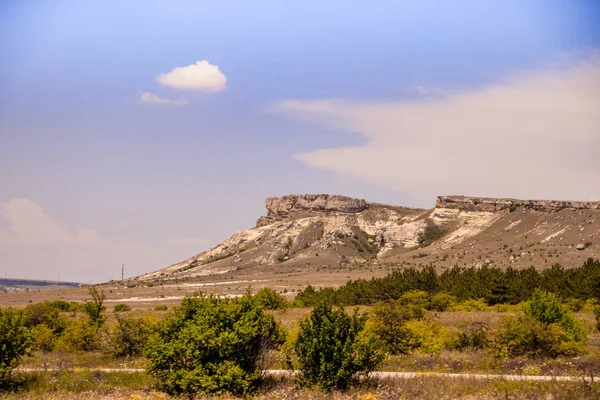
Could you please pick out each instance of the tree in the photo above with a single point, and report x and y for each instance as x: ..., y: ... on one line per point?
x: 95, y: 308
x: 130, y: 335
x: 270, y: 299
x: 14, y: 341
x: 388, y: 322
x: 331, y: 350
x: 212, y: 344
x: 546, y: 329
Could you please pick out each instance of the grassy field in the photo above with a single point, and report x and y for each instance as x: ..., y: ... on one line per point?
x: 73, y: 375
x: 69, y: 385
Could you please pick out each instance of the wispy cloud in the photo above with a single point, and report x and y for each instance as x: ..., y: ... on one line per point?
x: 534, y: 135
x: 201, y: 76
x: 35, y: 245
x: 148, y: 97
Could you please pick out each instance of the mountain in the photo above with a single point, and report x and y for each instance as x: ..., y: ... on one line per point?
x: 327, y: 239
x: 17, y: 285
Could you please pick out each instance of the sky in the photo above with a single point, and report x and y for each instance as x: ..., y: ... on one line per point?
x: 145, y: 132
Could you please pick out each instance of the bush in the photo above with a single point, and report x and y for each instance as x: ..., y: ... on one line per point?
x: 122, y: 308
x: 270, y: 299
x: 442, y: 302
x: 79, y: 335
x: 426, y: 336
x: 211, y: 344
x: 95, y: 308
x: 471, y: 305
x: 473, y: 335
x: 161, y: 308
x: 528, y: 337
x: 43, y: 313
x: 65, y: 306
x: 597, y: 315
x: 417, y: 300
x: 388, y: 323
x: 129, y: 336
x: 43, y: 338
x: 546, y: 329
x: 331, y: 348
x: 14, y: 342
x: 547, y: 308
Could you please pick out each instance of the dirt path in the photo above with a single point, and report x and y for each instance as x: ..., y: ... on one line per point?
x: 378, y: 374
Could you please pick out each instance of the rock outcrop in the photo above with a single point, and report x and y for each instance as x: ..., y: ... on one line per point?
x: 495, y: 205
x: 279, y: 208
x: 312, y: 232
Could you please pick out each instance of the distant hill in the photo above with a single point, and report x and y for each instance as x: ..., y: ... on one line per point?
x: 17, y: 285
x: 328, y: 239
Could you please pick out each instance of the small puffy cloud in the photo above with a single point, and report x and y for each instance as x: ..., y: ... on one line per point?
x: 148, y: 97
x: 201, y: 76
x: 533, y: 135
x: 36, y: 246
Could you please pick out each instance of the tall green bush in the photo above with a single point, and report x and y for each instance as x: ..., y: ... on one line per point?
x: 211, y: 344
x: 95, y: 308
x: 14, y: 342
x: 129, y: 336
x: 388, y: 323
x: 270, y: 299
x: 332, y: 349
x: 546, y: 329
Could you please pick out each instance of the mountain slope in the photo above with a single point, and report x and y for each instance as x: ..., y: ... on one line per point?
x: 331, y: 238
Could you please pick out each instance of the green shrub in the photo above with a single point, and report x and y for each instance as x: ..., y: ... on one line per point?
x: 43, y: 338
x: 332, y: 349
x: 95, y: 308
x: 596, y: 311
x: 270, y: 299
x: 425, y: 336
x: 547, y: 308
x: 416, y: 299
x: 65, y: 306
x: 432, y: 233
x: 442, y: 302
x: 79, y: 335
x: 575, y: 305
x: 211, y: 344
x: 524, y: 336
x: 546, y: 329
x: 122, y: 308
x: 474, y: 335
x: 388, y: 323
x: 129, y: 336
x: 471, y: 305
x: 43, y: 313
x: 161, y: 308
x: 14, y: 342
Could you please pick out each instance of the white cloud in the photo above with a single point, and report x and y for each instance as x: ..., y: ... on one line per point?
x: 201, y: 76
x: 148, y: 97
x: 34, y: 245
x: 536, y: 135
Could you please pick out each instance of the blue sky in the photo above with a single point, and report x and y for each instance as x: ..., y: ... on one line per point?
x: 158, y: 182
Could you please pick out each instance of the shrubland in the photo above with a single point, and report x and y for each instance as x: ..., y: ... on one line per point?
x: 211, y: 345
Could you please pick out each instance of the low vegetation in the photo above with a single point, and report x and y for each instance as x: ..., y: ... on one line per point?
x: 492, y: 285
x: 210, y: 345
x: 332, y: 349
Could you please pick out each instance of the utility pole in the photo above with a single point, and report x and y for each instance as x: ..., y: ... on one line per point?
x: 122, y: 271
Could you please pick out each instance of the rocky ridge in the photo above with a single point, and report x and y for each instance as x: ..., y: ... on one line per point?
x: 302, y: 233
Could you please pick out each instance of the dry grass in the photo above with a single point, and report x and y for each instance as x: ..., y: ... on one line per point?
x: 135, y: 386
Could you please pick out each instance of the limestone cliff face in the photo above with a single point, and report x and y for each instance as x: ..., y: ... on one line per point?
x: 495, y: 205
x: 300, y: 232
x: 279, y: 208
